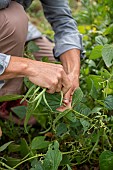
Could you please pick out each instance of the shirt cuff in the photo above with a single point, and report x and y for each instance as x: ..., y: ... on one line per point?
x: 4, y: 61
x: 68, y: 43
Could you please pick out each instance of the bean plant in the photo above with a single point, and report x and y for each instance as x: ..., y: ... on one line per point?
x: 83, y: 134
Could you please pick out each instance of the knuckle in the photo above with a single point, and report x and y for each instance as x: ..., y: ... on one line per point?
x: 49, y: 91
x: 60, y: 66
x: 59, y: 76
x: 61, y: 70
x: 54, y: 82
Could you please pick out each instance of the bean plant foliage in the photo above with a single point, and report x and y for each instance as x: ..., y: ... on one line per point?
x: 81, y: 135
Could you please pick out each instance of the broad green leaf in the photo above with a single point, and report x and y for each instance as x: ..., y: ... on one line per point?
x: 77, y: 96
x: 106, y: 160
x: 36, y: 165
x: 109, y: 30
x: 24, y: 148
x: 20, y: 111
x: 96, y: 52
x: 32, y: 47
x: 3, y: 147
x: 109, y: 102
x: 100, y: 40
x: 83, y: 109
x: 107, y: 54
x: 10, y: 97
x: 96, y: 109
x: 39, y: 143
x: 71, y: 116
x: 105, y: 74
x: 65, y: 160
x: 85, y: 124
x: 29, y: 113
x: 97, y: 81
x: 60, y: 115
x: 93, y: 92
x: 13, y: 148
x: 53, y: 100
x: 12, y: 161
x: 53, y: 157
x: 61, y: 129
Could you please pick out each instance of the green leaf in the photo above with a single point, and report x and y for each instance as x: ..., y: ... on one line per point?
x: 60, y: 115
x: 32, y: 47
x: 65, y: 160
x: 20, y: 111
x: 77, y: 96
x: 100, y: 40
x: 105, y: 74
x: 29, y: 113
x: 71, y: 116
x: 85, y: 124
x: 3, y: 147
x: 96, y: 109
x: 61, y: 129
x: 83, y: 109
x: 96, y: 52
x: 36, y: 165
x: 107, y: 55
x: 109, y: 102
x: 13, y: 148
x: 109, y: 30
x: 53, y: 100
x: 12, y: 161
x: 53, y: 157
x: 24, y: 148
x: 39, y: 143
x: 10, y: 97
x: 97, y: 81
x: 106, y: 160
x: 93, y: 92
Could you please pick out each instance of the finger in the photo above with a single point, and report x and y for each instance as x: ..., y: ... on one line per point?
x: 51, y: 90
x: 59, y: 86
x: 66, y: 83
x: 67, y: 97
x: 64, y: 107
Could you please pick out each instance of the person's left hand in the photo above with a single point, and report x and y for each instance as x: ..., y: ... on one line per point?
x: 71, y: 63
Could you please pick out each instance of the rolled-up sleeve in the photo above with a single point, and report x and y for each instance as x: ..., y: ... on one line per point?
x: 59, y: 16
x: 4, y: 61
x: 4, y: 3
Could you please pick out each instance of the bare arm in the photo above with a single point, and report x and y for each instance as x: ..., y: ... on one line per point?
x: 50, y: 76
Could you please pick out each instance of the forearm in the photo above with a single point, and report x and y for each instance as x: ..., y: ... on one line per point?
x: 71, y: 61
x: 38, y: 73
x: 16, y: 68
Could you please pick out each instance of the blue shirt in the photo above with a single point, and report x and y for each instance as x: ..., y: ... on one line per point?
x: 59, y: 16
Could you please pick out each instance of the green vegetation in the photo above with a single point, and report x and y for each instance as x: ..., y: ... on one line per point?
x: 78, y: 137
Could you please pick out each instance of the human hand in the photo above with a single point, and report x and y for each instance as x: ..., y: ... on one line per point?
x: 71, y: 64
x: 48, y: 75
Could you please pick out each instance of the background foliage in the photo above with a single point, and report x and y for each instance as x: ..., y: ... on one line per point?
x: 83, y: 136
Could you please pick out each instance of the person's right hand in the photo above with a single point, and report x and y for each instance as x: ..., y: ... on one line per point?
x: 48, y: 75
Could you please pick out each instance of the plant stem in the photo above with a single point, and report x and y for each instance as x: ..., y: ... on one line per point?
x: 36, y: 156
x: 3, y: 164
x: 81, y: 115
